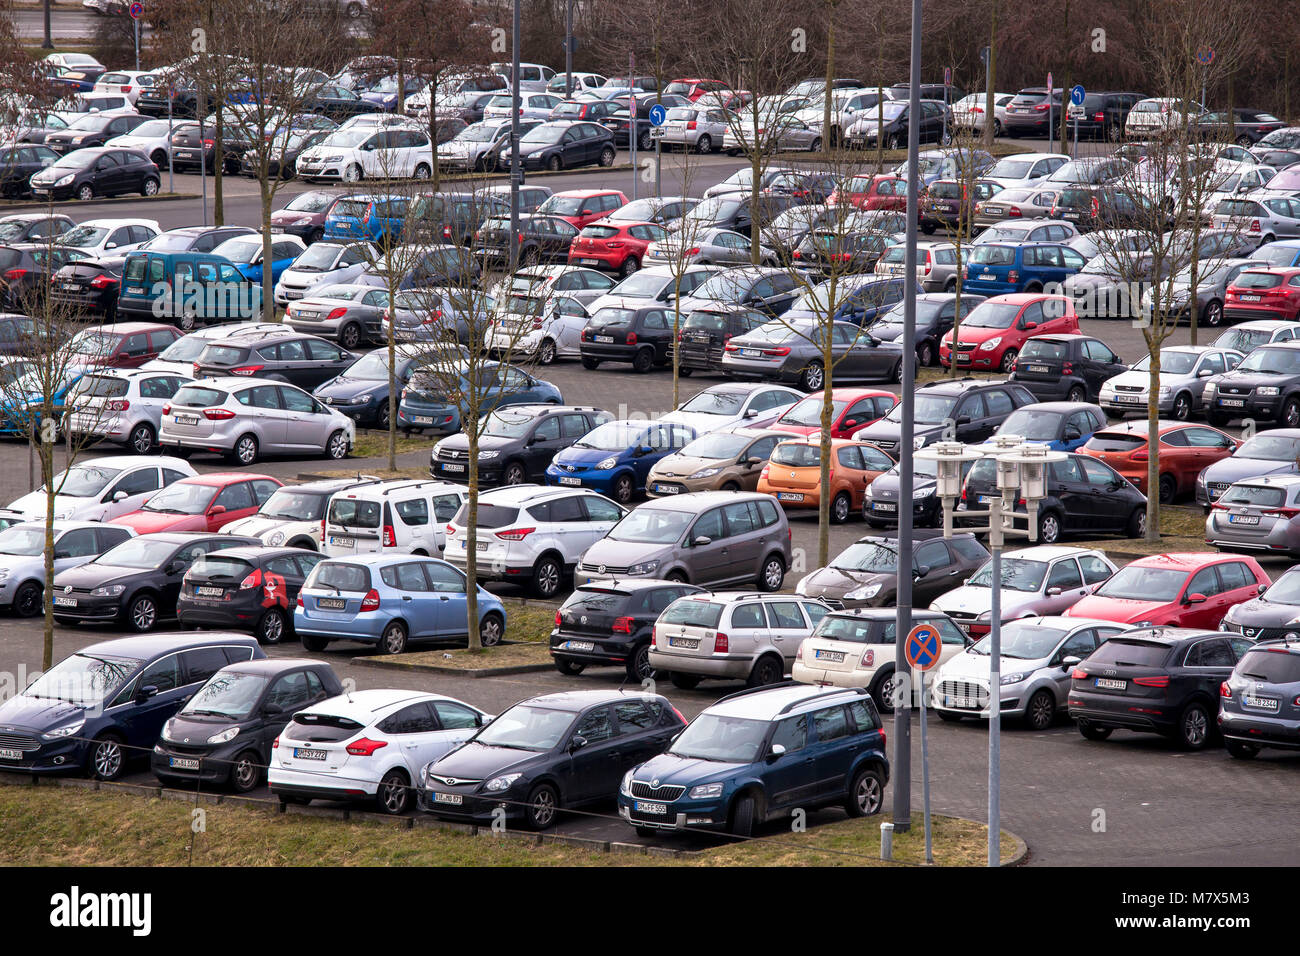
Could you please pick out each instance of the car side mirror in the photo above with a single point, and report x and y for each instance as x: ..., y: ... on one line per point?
x: 751, y: 413
x: 177, y: 566
x: 850, y: 423
x: 921, y: 571
x: 777, y: 752
x: 1030, y: 325
x: 271, y: 710
x: 1072, y: 434
x: 577, y: 743
x: 1068, y: 662
x: 484, y: 720
x: 644, y: 449
x: 963, y: 420
x: 145, y: 692
x: 1054, y: 591
x: 120, y: 496
x: 1261, y: 589
x: 701, y: 541
x: 1195, y: 599
x: 217, y: 510
x: 61, y: 553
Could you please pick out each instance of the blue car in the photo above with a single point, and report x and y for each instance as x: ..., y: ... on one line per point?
x: 758, y: 755
x: 391, y: 600
x: 862, y: 298
x: 245, y: 254
x: 15, y: 420
x: 615, y: 458
x: 106, y: 705
x: 1001, y: 268
x: 425, y: 406
x: 377, y: 218
x: 1062, y: 426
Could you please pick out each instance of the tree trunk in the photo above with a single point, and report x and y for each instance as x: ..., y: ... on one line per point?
x: 1153, y: 440
x: 267, y: 195
x: 824, y: 505
x: 990, y: 116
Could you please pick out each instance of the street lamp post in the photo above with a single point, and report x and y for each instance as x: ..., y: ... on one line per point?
x: 1021, y: 473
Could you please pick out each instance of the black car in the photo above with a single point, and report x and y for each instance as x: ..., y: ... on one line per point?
x: 642, y: 336
x: 739, y: 211
x: 1270, y: 616
x: 935, y: 124
x: 245, y: 588
x: 1102, y: 207
x: 25, y: 273
x: 1164, y: 680
x: 549, y: 753
x: 1083, y: 495
x: 1265, y: 386
x: 976, y: 408
x: 179, y: 101
x: 89, y: 287
x: 87, y: 173
x: 451, y: 217
x: 135, y: 583
x: 16, y: 331
x: 93, y: 129
x: 865, y: 574
x: 935, y: 315
x: 703, y: 335
x: 832, y: 251
x: 470, y: 106
x: 541, y: 239
x: 560, y: 144
x: 522, y: 440
x: 193, y: 150
x: 1065, y: 367
x: 337, y: 102
x: 18, y: 163
x: 361, y: 390
x: 929, y: 91
x: 1102, y: 115
x: 195, y: 238
x: 1248, y: 127
x: 302, y: 360
x: 104, y: 707
x: 611, y: 625
x: 880, y: 503
x: 224, y: 733
x: 620, y: 120
x: 1257, y: 704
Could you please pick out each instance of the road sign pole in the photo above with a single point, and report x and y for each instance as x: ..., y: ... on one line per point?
x: 925, y: 775
x: 171, y: 185
x: 631, y: 119
x: 995, y: 692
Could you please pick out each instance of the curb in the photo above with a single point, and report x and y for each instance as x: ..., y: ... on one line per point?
x: 453, y: 671
x: 18, y: 206
x: 1018, y: 858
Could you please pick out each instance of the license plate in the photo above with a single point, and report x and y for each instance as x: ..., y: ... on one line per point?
x: 1232, y: 402
x: 788, y: 496
x: 883, y: 506
x: 985, y: 499
x: 988, y: 275
x: 331, y: 604
x: 1250, y: 298
x: 667, y: 489
x: 209, y: 592
x: 455, y: 799
x: 303, y: 753
x: 566, y: 480
x: 1263, y: 703
x: 835, y: 657
x: 1243, y: 519
x: 187, y: 419
x: 750, y: 353
x: 65, y: 602
x: 456, y: 468
x: 422, y: 419
x: 652, y: 809
x: 277, y: 229
x: 691, y: 644
x: 184, y: 763
x: 1107, y: 683
x: 184, y: 155
x: 589, y: 262
x: 1042, y: 369
x: 71, y: 286
x: 1130, y: 399
x: 343, y: 542
x: 963, y: 358
x: 579, y: 646
x: 11, y: 755
x: 966, y: 703
x: 605, y: 339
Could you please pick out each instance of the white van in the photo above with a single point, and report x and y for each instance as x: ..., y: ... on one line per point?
x: 401, y: 516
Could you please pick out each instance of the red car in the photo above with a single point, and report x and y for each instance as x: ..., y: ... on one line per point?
x: 693, y: 89
x: 1193, y: 589
x: 122, y: 344
x: 1263, y: 294
x: 851, y: 409
x: 613, y: 245
x: 578, y: 207
x: 991, y: 336
x: 201, y: 503
x: 883, y: 191
x: 1186, y: 449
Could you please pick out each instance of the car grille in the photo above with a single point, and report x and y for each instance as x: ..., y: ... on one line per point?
x: 1235, y: 391
x: 23, y: 742
x: 965, y: 346
x: 1129, y: 388
x: 666, y: 794
x: 960, y: 688
x: 451, y: 454
x: 968, y: 616
x: 886, y: 444
x: 1217, y: 488
x: 602, y: 568
x: 1262, y: 633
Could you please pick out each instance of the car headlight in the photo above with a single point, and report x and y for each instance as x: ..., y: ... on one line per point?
x: 65, y: 180
x: 67, y: 730
x: 706, y: 472
x: 1165, y: 390
x: 503, y: 782
x: 488, y: 455
x: 4, y: 574
x: 108, y: 590
x: 1270, y: 391
x: 336, y: 158
x: 645, y: 567
x: 864, y: 593
x: 626, y: 786
x: 991, y: 344
x: 1200, y: 479
x: 607, y: 464
x: 918, y: 442
x: 985, y: 616
x: 167, y: 729
x: 705, y: 790
x: 224, y: 736
x: 1210, y: 389
x: 360, y: 399
x: 276, y: 539
x: 922, y: 492
x: 1014, y: 678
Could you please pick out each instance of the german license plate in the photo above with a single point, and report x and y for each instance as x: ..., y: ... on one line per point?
x: 751, y: 353
x: 422, y: 419
x: 181, y: 154
x: 454, y: 799
x: 835, y: 657
x: 304, y: 753
x: 789, y: 496
x: 963, y: 358
x: 456, y: 468
x: 343, y: 542
x: 1250, y: 298
x: 277, y: 229
x: 1232, y: 402
x: 1042, y: 369
x: 1263, y: 703
x: 652, y: 809
x: 987, y: 275
x: 567, y: 480
x: 1243, y: 519
x: 11, y: 755
x: 691, y: 644
x: 1108, y: 683
x: 666, y: 489
x: 966, y: 703
x: 883, y: 506
x: 589, y: 262
x: 184, y: 763
x: 61, y: 601
x: 71, y: 286
x: 986, y: 499
x: 605, y: 339
x: 1130, y: 399
x: 209, y: 592
x: 579, y: 646
x: 187, y: 419
x: 331, y: 604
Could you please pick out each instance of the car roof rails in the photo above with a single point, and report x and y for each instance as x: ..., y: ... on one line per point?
x: 412, y: 483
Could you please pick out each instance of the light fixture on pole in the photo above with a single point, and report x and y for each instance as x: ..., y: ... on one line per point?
x: 1021, y: 474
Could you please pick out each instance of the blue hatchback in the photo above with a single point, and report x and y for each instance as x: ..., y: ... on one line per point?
x: 860, y: 299
x: 615, y: 458
x: 391, y: 600
x: 998, y: 268
x: 425, y: 405
x: 377, y: 218
x: 759, y: 755
x: 1062, y: 426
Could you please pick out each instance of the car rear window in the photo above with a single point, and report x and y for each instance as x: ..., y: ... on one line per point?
x: 1257, y: 280
x: 852, y: 629
x: 599, y: 232
x: 214, y: 566
x: 1120, y: 651
x: 222, y: 355
x: 597, y: 600
x: 489, y: 516
x: 1274, y: 666
x: 992, y: 255
x: 692, y: 612
x: 321, y: 728
x: 197, y: 396
x: 797, y: 455
x: 102, y: 386
x: 1115, y: 441
x: 351, y: 513
x: 340, y: 576
x: 1262, y: 495
x: 1044, y: 351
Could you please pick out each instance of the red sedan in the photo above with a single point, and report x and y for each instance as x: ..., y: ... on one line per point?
x: 852, y: 409
x: 613, y: 245
x: 1192, y: 589
x: 1263, y: 294
x: 201, y: 503
x: 578, y: 207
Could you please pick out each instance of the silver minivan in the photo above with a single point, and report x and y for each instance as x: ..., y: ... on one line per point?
x: 707, y: 538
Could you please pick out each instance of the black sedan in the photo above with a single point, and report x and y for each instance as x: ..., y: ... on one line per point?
x: 224, y: 734
x: 87, y: 173
x: 93, y: 129
x: 302, y: 360
x: 337, y: 102
x: 562, y: 145
x: 89, y: 287
x: 541, y: 239
x: 135, y: 583
x: 1248, y: 126
x: 438, y: 265
x: 245, y: 589
x: 18, y: 163
x: 548, y: 753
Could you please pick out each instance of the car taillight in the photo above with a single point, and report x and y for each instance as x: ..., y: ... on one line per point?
x: 798, y: 655
x: 691, y: 125
x: 118, y: 405
x: 1225, y: 691
x: 764, y: 473
x: 868, y: 659
x: 209, y: 143
x: 1254, y: 225
x: 720, y: 643
x: 371, y: 601
x: 1282, y: 512
x: 654, y: 637
x: 366, y: 217
x: 1013, y: 276
x: 1042, y: 107
x: 515, y: 534
x: 1140, y: 455
x: 693, y: 252
x: 253, y: 580
x: 622, y: 625
x: 631, y: 338
x: 778, y: 352
x: 928, y: 264
x: 247, y: 370
x: 103, y: 282
x: 218, y: 414
x: 558, y: 622
x: 167, y: 409
x: 1162, y: 681
x: 365, y: 747
x: 15, y: 273
x: 432, y: 318
x: 446, y: 232
x: 1098, y: 117
x: 336, y: 314
x: 1014, y: 211
x: 1079, y: 674
x: 390, y: 537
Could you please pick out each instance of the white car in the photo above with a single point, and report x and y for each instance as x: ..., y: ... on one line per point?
x: 846, y: 106
x: 373, y: 121
x: 532, y: 76
x: 733, y: 403
x: 561, y: 524
x: 577, y: 282
x: 968, y: 112
x: 152, y: 137
x: 392, y: 151
x: 1157, y: 114
x: 547, y: 327
x: 179, y: 357
x: 1025, y: 169
x: 102, y: 488
x: 93, y: 102
x: 1234, y: 180
x: 129, y: 83
x: 400, y: 516
x: 654, y: 284
x: 123, y: 406
x: 368, y: 744
x: 22, y: 557
x: 294, y: 516
x: 104, y: 237
x: 323, y: 262
x: 536, y: 106
x: 73, y: 60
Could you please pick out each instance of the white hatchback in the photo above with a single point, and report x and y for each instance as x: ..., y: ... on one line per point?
x: 115, y: 237
x: 123, y: 406
x: 98, y: 489
x: 400, y: 516
x: 734, y: 403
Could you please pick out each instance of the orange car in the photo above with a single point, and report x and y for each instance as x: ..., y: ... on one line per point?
x: 1185, y: 450
x: 793, y: 474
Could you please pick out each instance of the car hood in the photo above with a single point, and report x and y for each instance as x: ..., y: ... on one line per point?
x: 622, y: 554
x: 145, y: 522
x: 687, y: 465
x: 37, y: 713
x: 884, y: 430
x: 93, y: 575
x: 886, y: 486
x: 973, y: 600
x: 585, y: 456
x: 967, y: 664
x: 1120, y: 610
x: 1235, y: 469
x: 670, y: 769
x: 32, y: 505
x: 975, y: 334
x: 196, y: 730
x: 1139, y: 379
x: 701, y: 422
x: 256, y: 526
x: 480, y: 762
x: 344, y: 387
x: 1261, y: 613
x: 836, y: 582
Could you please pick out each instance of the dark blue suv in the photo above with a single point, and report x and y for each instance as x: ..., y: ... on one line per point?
x: 760, y: 755
x: 1000, y: 268
x: 106, y: 704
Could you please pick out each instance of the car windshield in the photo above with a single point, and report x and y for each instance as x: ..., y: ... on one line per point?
x: 346, y: 138
x: 527, y: 727
x: 1137, y: 583
x: 1270, y: 448
x: 310, y: 202
x: 240, y: 249
x: 808, y: 412
x: 317, y: 258
x: 1032, y: 425
x: 181, y: 499
x: 930, y: 410
x: 508, y: 424
x: 84, y: 481
x: 715, y: 446
x: 140, y: 553
x: 83, y: 679
x: 561, y: 206
x: 544, y: 134
x: 1272, y: 361
x: 1286, y: 590
x: 1024, y: 641
x: 371, y: 367
x: 1243, y: 340
x: 1018, y: 574
x: 23, y: 540
x: 992, y: 315
x: 611, y: 436
x: 651, y: 526
x: 477, y: 133
x: 724, y: 739
x: 641, y: 285
x: 710, y: 402
x: 294, y: 506
x: 714, y: 209
x: 94, y: 343
x: 227, y: 695
x: 1173, y: 363
x: 83, y: 236
x: 871, y: 556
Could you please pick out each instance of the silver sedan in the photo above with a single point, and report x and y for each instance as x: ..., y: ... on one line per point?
x: 1184, y: 371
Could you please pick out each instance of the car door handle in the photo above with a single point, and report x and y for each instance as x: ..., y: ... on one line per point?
x: 443, y: 597
x: 406, y: 597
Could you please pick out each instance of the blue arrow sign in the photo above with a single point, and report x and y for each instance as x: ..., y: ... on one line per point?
x: 658, y: 115
x: 1077, y: 93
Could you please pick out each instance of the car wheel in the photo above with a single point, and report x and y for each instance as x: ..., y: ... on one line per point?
x: 841, y: 508
x: 704, y: 144
x: 1291, y: 413
x: 677, y: 577
x: 1049, y: 528
x: 422, y: 171
x: 546, y: 353
x: 158, y: 158
x: 607, y: 156
x: 245, y: 450
x: 316, y: 236
x: 1212, y: 317
x: 382, y: 416
x: 742, y: 816
x: 684, y: 681
x: 816, y: 145
x: 590, y: 363
x: 86, y: 192
x: 337, y: 446
x: 685, y: 372
x: 141, y: 439
x: 643, y: 361
x: 630, y: 265
x: 1093, y: 732
x: 1077, y: 394
x: 1041, y: 710
x: 546, y: 577
x: 352, y: 173
x: 571, y: 668
x: 394, y: 794
x: 1008, y: 364
x: 813, y: 377
x: 490, y: 630
x: 350, y: 336
x: 1137, y: 523
x: 925, y: 355
x: 393, y: 640
x: 773, y: 574
x: 638, y: 664
x: 245, y: 772
x: 27, y: 600
x: 150, y: 187
x: 1193, y: 730
x: 186, y: 321
x: 1168, y: 489
x: 310, y: 642
x: 1182, y: 407
x: 1241, y: 750
x: 543, y: 804
x: 142, y: 615
x: 866, y: 794
x: 894, y: 141
x: 107, y: 758
x: 623, y: 489
x: 644, y: 142
x: 882, y: 691
x: 767, y: 670
x: 997, y: 127
x: 270, y: 629
x: 553, y: 164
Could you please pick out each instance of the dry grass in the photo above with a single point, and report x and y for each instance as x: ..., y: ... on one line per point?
x: 461, y: 658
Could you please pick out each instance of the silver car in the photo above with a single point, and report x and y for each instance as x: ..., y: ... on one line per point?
x: 475, y: 148
x: 1259, y: 217
x: 436, y: 314
x: 1258, y: 514
x: 123, y: 406
x: 577, y: 282
x: 1212, y: 280
x: 792, y: 133
x: 693, y: 127
x: 22, y: 556
x: 323, y: 263
x: 705, y: 246
x: 936, y: 264
x: 346, y: 313
x: 1184, y: 371
x: 1245, y: 337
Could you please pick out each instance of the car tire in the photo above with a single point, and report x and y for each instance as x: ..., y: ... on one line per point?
x: 684, y: 681
x: 1241, y: 750
x: 1040, y: 711
x: 772, y: 576
x: 1290, y: 417
x: 352, y: 173
x: 1194, y: 727
x: 685, y: 372
x: 607, y: 157
x: 925, y: 354
x: 882, y: 691
x: 336, y: 448
x: 841, y: 508
x: 1137, y: 523
x: 768, y: 669
x: 546, y: 353
x: 158, y: 158
x: 394, y: 638
x: 422, y: 171
x: 27, y: 599
x: 142, y: 439
x: 1168, y: 489
x: 644, y: 142
x: 271, y: 628
x: 546, y: 577
x: 1092, y: 731
x: 812, y: 377
x: 394, y: 793
x: 623, y: 489
x: 106, y: 758
x: 514, y: 474
x: 86, y: 192
x: 1008, y: 363
x: 568, y: 667
x: 1049, y: 528
x: 704, y: 144
x: 350, y: 336
x: 310, y: 642
x: 630, y: 265
x: 643, y: 361
x: 245, y: 772
x: 590, y: 363
x: 1077, y: 394
x: 677, y: 577
x: 150, y: 188
x: 1182, y: 409
x: 553, y: 164
x: 543, y: 807
x: 1212, y: 316
x: 816, y: 145
x: 245, y: 450
x: 638, y: 664
x: 490, y: 630
x: 142, y: 613
x: 866, y: 796
x: 742, y: 816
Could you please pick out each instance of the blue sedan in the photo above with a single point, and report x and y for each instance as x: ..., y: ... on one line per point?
x: 425, y: 404
x: 391, y: 600
x: 19, y: 419
x: 245, y: 254
x: 615, y: 458
x: 1062, y: 426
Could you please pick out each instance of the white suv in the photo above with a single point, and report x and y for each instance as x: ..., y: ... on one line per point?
x: 294, y: 516
x: 736, y: 635
x: 402, y: 516
x: 532, y: 533
x: 122, y: 406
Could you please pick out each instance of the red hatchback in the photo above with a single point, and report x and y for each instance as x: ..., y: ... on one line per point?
x: 693, y: 89
x: 1263, y: 294
x: 578, y: 207
x: 852, y: 409
x: 1192, y: 589
x: 884, y: 191
x: 994, y: 332
x: 122, y: 344
x: 614, y: 246
x: 201, y: 503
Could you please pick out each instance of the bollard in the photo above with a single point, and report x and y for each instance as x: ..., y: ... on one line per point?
x: 887, y: 841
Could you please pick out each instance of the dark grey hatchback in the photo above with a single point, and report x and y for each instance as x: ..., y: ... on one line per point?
x: 1259, y: 704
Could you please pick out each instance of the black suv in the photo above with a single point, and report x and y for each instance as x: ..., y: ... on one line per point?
x: 1083, y: 494
x: 1240, y: 392
x: 971, y: 408
x: 1257, y: 703
x: 93, y: 129
x: 1164, y: 680
x: 521, y: 440
x: 611, y: 624
x: 704, y: 334
x: 302, y: 360
x: 935, y: 312
x: 192, y: 150
x: 641, y: 336
x: 1065, y: 367
x: 1102, y: 115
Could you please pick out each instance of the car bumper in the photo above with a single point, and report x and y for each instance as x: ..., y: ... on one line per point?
x: 1113, y: 407
x: 924, y: 510
x: 1265, y: 731
x: 473, y: 806
x: 217, y: 615
x: 718, y: 665
x: 90, y: 609
x: 296, y: 783
x: 678, y: 815
x: 365, y: 630
x: 213, y: 765
x: 59, y: 756
x: 598, y: 479
x: 1250, y: 407
x: 586, y: 649
x: 975, y: 359
x: 1271, y: 534
x: 1132, y: 713
x: 443, y: 418
x: 656, y: 487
